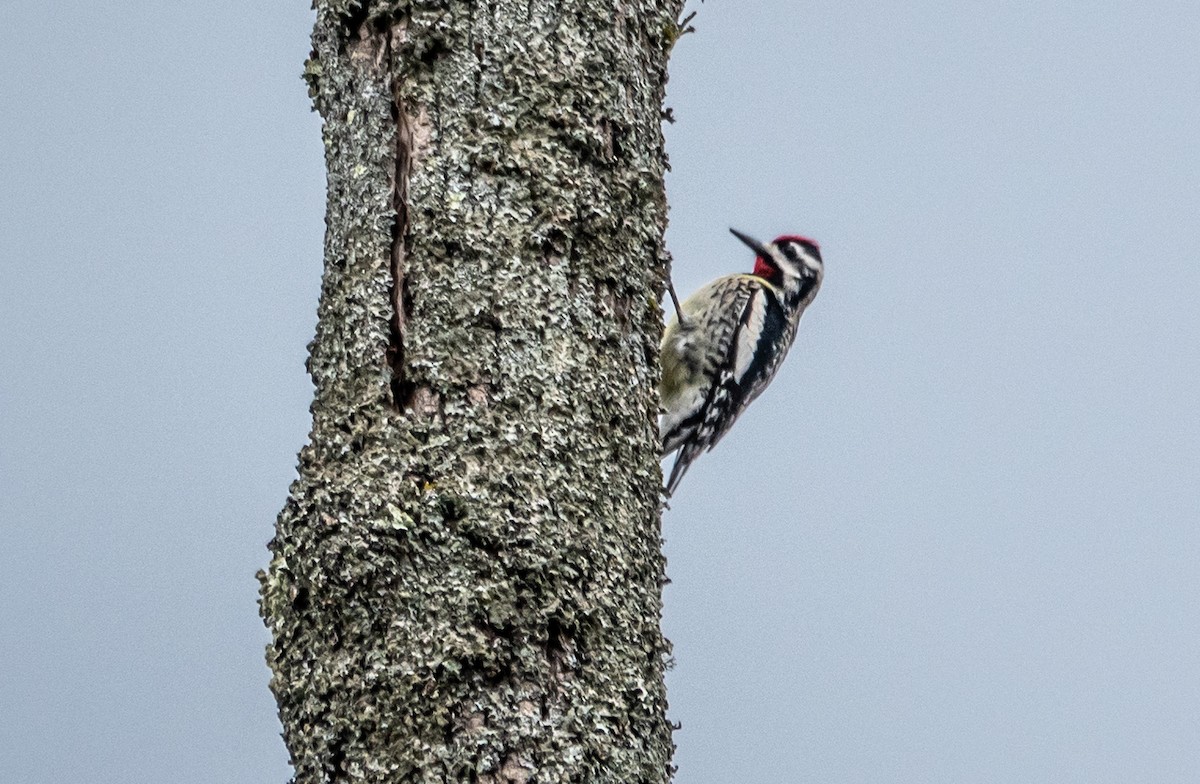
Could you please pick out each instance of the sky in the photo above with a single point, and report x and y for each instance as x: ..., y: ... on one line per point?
x: 956, y: 540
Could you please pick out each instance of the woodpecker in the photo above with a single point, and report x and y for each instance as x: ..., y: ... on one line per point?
x: 727, y: 340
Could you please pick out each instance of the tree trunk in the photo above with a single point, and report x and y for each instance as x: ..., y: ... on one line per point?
x: 466, y: 578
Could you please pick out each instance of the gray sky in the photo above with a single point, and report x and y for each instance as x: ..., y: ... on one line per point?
x: 956, y: 541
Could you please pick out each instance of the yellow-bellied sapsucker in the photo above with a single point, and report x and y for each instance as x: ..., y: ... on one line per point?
x: 726, y: 342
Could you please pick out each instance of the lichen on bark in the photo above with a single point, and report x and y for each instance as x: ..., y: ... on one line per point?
x: 465, y: 582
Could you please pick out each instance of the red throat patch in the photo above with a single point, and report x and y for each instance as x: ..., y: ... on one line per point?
x: 762, y: 269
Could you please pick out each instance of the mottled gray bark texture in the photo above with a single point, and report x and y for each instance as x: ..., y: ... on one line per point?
x: 466, y: 579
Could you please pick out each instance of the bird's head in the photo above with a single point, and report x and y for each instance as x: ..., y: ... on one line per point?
x: 791, y: 262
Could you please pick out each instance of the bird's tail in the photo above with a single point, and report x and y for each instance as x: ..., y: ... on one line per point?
x: 683, y: 461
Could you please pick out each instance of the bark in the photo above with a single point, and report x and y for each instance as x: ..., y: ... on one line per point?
x: 465, y: 582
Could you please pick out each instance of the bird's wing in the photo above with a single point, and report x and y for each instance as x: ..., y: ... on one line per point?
x: 695, y: 349
x: 739, y: 367
x: 751, y: 360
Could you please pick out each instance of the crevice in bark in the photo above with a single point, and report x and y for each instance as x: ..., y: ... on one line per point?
x: 337, y: 757
x: 560, y: 655
x: 436, y: 50
x: 300, y: 599
x: 354, y: 23
x: 401, y: 299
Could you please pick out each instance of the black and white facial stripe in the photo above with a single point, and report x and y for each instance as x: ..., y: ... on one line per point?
x: 798, y: 259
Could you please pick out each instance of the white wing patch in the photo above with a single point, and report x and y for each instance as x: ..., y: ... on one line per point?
x: 748, y: 334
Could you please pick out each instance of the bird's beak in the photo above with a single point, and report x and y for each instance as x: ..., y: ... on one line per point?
x: 752, y: 243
